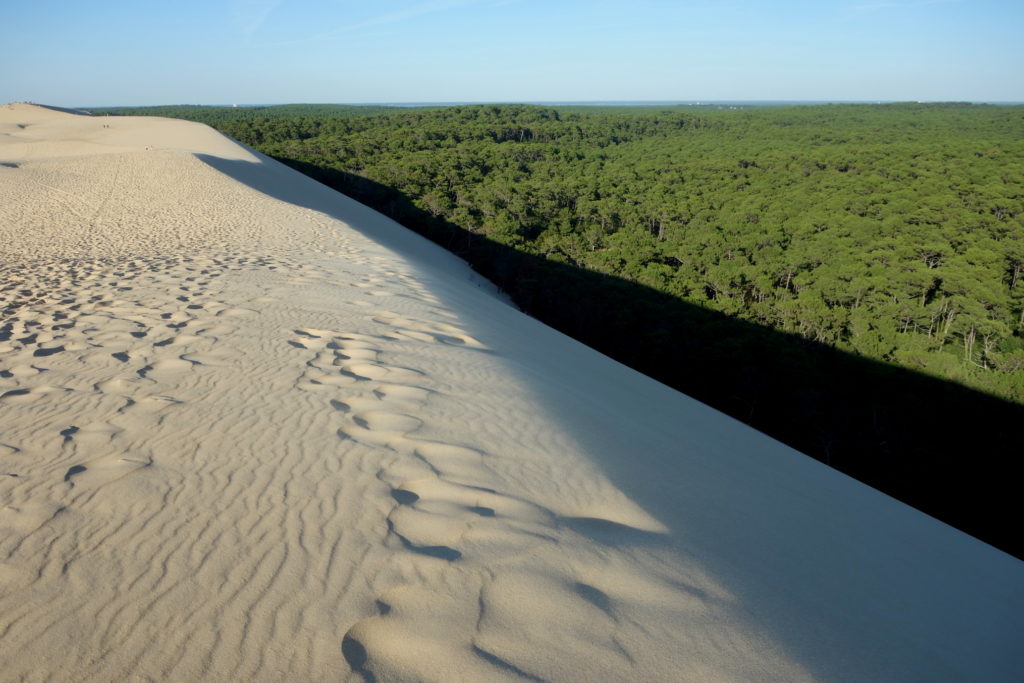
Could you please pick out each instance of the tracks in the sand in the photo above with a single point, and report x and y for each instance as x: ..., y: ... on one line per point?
x: 458, y: 530
x: 402, y: 529
x: 70, y: 322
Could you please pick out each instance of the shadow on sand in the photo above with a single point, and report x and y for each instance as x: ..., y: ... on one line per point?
x: 940, y: 447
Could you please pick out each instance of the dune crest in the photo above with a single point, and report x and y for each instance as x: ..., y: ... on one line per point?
x: 253, y: 430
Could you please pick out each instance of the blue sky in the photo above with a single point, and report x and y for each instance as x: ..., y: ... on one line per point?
x: 117, y: 52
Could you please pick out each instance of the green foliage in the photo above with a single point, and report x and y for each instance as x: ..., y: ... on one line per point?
x: 790, y: 266
x: 221, y: 115
x: 892, y: 231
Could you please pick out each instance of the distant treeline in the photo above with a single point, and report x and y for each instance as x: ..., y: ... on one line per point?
x: 220, y: 115
x: 891, y: 231
x: 779, y: 264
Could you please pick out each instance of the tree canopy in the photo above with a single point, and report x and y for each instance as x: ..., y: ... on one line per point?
x: 702, y: 247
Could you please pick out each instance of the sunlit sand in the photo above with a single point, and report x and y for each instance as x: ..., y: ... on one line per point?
x: 253, y: 430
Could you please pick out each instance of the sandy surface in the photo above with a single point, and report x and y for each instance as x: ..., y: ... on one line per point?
x: 252, y: 430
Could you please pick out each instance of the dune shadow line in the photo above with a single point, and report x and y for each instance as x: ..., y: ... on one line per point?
x: 938, y: 446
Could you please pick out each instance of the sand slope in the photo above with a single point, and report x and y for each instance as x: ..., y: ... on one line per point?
x: 252, y: 430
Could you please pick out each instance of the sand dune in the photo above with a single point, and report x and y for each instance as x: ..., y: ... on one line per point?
x: 252, y: 430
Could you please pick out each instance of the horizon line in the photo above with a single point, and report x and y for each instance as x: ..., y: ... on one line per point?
x: 693, y: 102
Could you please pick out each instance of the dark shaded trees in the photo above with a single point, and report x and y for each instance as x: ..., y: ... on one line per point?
x: 674, y: 241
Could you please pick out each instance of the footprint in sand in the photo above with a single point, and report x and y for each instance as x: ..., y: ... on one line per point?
x: 385, y: 421
x: 92, y: 435
x: 439, y: 551
x: 149, y: 405
x: 380, y: 372
x: 165, y: 369
x: 401, y: 393
x: 23, y: 371
x: 43, y: 352
x: 217, y: 359
x: 236, y: 313
x: 430, y: 332
x: 104, y: 470
x: 16, y: 396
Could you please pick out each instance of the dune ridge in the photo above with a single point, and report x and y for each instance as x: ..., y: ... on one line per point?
x: 252, y: 430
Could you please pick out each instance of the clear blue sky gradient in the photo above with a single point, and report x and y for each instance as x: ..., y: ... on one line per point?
x: 120, y: 52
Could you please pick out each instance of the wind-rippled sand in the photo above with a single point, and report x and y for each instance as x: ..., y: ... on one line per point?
x: 252, y: 430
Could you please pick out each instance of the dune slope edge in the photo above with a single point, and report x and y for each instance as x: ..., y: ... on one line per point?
x: 253, y: 430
